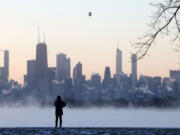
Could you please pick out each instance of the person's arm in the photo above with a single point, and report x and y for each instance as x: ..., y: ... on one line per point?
x: 63, y: 104
x: 55, y: 103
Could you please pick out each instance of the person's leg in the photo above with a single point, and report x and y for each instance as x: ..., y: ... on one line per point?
x: 60, y: 116
x: 56, y: 120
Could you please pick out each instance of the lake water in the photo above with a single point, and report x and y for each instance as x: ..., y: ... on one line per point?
x: 93, y: 117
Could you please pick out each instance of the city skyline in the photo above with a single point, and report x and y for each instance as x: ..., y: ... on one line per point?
x: 90, y: 67
x: 113, y: 71
x: 69, y: 30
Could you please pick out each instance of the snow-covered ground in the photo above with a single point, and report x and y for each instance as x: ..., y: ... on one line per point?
x: 87, y: 131
x: 93, y: 117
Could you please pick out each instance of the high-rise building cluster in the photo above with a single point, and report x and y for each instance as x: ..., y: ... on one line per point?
x: 53, y: 81
x: 38, y: 73
x: 5, y: 82
x: 44, y: 83
x: 57, y: 80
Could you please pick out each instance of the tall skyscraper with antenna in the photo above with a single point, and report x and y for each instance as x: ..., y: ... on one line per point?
x: 41, y: 67
x: 118, y: 60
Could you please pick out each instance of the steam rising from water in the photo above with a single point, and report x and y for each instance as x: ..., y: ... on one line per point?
x: 104, y: 117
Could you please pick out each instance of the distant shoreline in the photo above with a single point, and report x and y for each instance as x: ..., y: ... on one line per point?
x: 160, y: 103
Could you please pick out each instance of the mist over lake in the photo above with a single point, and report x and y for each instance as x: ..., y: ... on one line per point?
x: 92, y: 117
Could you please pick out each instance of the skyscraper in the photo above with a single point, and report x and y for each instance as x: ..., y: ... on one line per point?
x: 6, y: 64
x: 134, y: 70
x: 118, y: 61
x: 41, y: 67
x: 96, y: 80
x: 77, y: 80
x: 107, y: 77
x: 68, y: 67
x: 68, y: 93
x: 175, y: 74
x: 107, y: 73
x: 30, y: 72
x: 63, y: 65
x: 77, y: 72
x: 4, y: 71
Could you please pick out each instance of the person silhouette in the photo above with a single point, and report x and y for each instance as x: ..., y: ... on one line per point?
x: 59, y: 104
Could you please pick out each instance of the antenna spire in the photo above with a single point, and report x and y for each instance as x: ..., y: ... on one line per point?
x: 44, y: 38
x: 117, y: 44
x: 38, y: 34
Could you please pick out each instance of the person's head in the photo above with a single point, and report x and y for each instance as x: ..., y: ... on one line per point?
x: 59, y: 98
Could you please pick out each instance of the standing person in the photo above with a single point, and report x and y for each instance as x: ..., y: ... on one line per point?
x: 59, y: 104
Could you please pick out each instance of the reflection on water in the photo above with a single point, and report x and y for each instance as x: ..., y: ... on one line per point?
x: 105, y: 117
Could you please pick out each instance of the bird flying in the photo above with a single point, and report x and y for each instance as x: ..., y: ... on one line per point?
x: 90, y: 13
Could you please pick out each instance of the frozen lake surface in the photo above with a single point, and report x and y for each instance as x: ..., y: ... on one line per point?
x: 88, y: 131
x: 93, y: 117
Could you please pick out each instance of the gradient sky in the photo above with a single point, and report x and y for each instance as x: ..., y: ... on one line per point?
x: 90, y: 40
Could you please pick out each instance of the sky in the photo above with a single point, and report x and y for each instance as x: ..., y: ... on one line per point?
x: 90, y: 40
